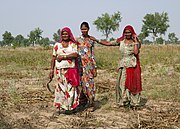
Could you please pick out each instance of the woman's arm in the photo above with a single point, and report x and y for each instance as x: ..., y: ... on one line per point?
x: 67, y: 57
x: 103, y: 42
x: 136, y: 48
x: 51, y: 74
x: 70, y: 56
x: 136, y: 43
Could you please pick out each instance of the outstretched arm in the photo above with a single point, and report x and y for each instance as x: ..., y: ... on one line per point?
x: 103, y: 42
x: 106, y: 43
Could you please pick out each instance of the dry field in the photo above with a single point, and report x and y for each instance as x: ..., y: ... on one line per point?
x: 25, y: 102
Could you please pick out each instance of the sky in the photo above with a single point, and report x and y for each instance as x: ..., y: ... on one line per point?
x: 23, y: 16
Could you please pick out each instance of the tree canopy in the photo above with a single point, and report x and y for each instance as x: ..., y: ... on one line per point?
x: 172, y: 38
x: 35, y: 36
x: 56, y: 36
x: 108, y: 23
x: 7, y: 38
x: 155, y: 24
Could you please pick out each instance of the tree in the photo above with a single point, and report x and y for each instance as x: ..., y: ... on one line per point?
x: 26, y: 42
x: 35, y: 36
x: 18, y: 41
x: 1, y: 43
x: 108, y: 24
x: 159, y: 40
x: 7, y: 38
x: 155, y: 24
x: 56, y: 36
x: 44, y: 42
x: 172, y: 38
x: 142, y: 37
x: 147, y: 41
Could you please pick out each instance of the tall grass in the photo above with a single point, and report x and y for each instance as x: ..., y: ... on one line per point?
x: 29, y: 57
x: 160, y: 66
x: 107, y: 57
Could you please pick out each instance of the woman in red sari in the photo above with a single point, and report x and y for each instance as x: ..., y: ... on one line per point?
x: 64, y: 63
x: 129, y: 85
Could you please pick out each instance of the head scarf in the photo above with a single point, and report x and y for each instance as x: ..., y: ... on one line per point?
x: 131, y: 29
x: 70, y: 34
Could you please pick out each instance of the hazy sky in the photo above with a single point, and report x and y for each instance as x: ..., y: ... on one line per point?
x: 22, y: 16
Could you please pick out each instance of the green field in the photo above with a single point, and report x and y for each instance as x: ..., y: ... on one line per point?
x: 24, y: 73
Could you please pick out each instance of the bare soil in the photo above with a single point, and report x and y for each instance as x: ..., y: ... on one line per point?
x: 30, y: 106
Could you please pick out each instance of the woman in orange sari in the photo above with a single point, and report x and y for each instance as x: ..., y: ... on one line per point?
x: 87, y: 66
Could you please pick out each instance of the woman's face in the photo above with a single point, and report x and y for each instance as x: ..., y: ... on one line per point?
x: 65, y: 36
x: 84, y: 30
x: 127, y: 34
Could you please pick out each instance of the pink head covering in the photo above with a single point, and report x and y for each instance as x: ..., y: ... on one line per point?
x: 70, y: 34
x: 131, y: 29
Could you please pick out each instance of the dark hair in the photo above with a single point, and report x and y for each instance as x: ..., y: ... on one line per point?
x: 85, y: 24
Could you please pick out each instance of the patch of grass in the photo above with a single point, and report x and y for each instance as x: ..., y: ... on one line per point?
x: 160, y: 66
x: 107, y: 57
x: 177, y: 67
x: 161, y: 93
x: 3, y: 123
x: 25, y: 58
x: 15, y: 97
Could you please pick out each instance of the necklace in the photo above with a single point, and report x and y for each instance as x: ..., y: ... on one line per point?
x: 65, y: 44
x: 128, y: 41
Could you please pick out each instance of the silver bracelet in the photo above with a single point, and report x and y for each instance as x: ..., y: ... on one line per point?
x: 136, y: 43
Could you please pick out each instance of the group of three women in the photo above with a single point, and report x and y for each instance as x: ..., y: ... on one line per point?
x: 74, y: 65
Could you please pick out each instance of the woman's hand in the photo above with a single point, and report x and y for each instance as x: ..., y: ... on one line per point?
x: 94, y: 72
x: 136, y: 43
x: 51, y: 74
x: 117, y: 69
x: 59, y: 58
x: 134, y: 37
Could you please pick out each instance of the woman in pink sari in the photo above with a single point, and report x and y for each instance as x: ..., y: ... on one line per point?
x: 64, y: 65
x: 129, y: 85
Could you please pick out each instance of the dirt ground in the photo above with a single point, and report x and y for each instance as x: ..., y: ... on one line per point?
x: 30, y: 106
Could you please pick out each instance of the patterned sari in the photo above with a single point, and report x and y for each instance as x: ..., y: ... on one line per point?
x: 66, y: 94
x: 87, y: 65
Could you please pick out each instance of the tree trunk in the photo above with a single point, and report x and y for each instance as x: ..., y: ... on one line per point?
x: 153, y: 40
x: 106, y: 36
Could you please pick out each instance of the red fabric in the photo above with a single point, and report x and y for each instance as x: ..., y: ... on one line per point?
x: 56, y: 48
x: 75, y: 105
x: 70, y: 35
x: 131, y: 29
x: 73, y: 77
x: 133, y: 78
x: 67, y: 94
x: 57, y: 105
